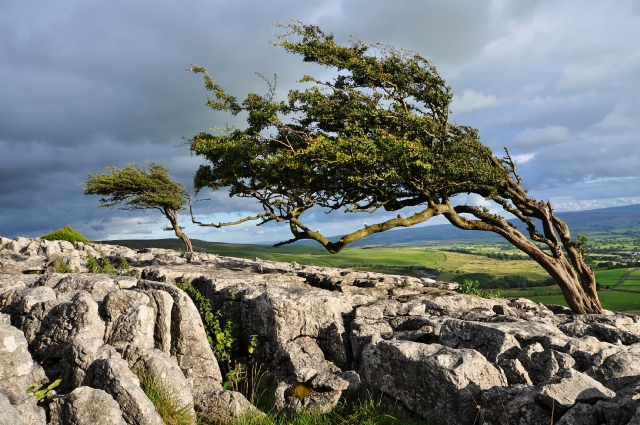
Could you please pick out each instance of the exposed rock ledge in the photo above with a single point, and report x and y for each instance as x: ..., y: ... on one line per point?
x: 413, y: 343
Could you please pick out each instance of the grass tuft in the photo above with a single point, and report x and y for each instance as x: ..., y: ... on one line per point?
x: 67, y: 233
x: 165, y: 399
x: 349, y: 411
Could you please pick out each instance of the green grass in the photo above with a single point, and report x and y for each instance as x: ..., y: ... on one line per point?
x: 165, y: 399
x: 617, y: 300
x: 632, y: 281
x: 67, y: 233
x: 610, y: 277
x: 349, y: 411
x: 614, y: 299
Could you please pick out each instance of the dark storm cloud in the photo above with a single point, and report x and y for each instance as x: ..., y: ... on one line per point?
x: 88, y: 84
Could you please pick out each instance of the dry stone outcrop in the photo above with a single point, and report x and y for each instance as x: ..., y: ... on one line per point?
x: 413, y: 343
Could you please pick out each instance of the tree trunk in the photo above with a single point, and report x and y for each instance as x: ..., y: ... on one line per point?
x: 576, y: 280
x: 579, y: 292
x: 173, y: 218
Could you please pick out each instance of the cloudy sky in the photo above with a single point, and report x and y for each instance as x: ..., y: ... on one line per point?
x: 85, y: 84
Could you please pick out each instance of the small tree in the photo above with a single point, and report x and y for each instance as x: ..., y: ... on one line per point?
x: 131, y: 188
x: 378, y: 136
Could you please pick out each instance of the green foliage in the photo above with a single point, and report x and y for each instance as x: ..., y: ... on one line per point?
x: 487, y: 281
x: 376, y: 136
x: 472, y: 287
x: 92, y: 264
x: 107, y: 268
x: 165, y: 399
x: 222, y: 340
x: 42, y: 392
x: 66, y: 233
x: 59, y: 266
x: 349, y: 411
x: 132, y: 188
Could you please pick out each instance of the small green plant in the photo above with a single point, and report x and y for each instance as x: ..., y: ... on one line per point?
x: 406, y: 283
x: 472, y: 287
x: 221, y: 340
x: 67, y: 233
x: 107, y: 268
x: 42, y: 392
x: 165, y: 399
x: 92, y: 264
x: 253, y: 344
x: 349, y: 411
x: 59, y: 266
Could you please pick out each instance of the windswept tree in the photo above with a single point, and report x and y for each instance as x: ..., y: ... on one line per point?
x: 376, y: 137
x: 132, y: 188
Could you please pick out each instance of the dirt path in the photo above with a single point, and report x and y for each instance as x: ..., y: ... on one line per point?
x: 625, y: 277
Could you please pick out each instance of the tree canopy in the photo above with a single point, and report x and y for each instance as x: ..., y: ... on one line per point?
x: 377, y: 136
x: 132, y: 188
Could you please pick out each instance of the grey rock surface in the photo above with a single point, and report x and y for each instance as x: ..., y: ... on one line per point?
x: 9, y: 415
x: 18, y: 372
x: 413, y: 342
x: 189, y: 345
x: 223, y: 405
x: 437, y: 382
x: 85, y: 406
x: 115, y: 378
x: 569, y: 387
x: 155, y: 363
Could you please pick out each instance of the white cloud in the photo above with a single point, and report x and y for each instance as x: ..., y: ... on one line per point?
x: 471, y: 100
x: 523, y: 158
x: 537, y: 137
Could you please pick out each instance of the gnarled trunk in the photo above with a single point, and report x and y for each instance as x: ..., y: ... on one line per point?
x: 173, y: 218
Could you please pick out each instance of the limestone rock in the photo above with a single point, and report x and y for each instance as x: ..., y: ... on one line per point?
x: 17, y: 373
x: 9, y: 415
x: 130, y: 318
x: 76, y: 360
x: 85, y: 406
x: 569, y: 387
x: 617, y: 371
x: 157, y: 364
x: 493, y: 340
x: 66, y: 320
x: 581, y: 414
x: 189, y: 345
x: 515, y: 372
x: 114, y: 377
x: 437, y: 382
x: 547, y: 363
x: 223, y: 405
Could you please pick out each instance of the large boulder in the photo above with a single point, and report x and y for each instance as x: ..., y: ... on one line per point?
x: 569, y: 387
x: 18, y: 372
x: 223, y: 405
x: 436, y: 382
x: 157, y: 365
x: 85, y: 406
x: 114, y: 377
x: 189, y: 345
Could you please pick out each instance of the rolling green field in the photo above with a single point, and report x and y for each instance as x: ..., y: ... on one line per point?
x: 610, y: 277
x: 618, y: 298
